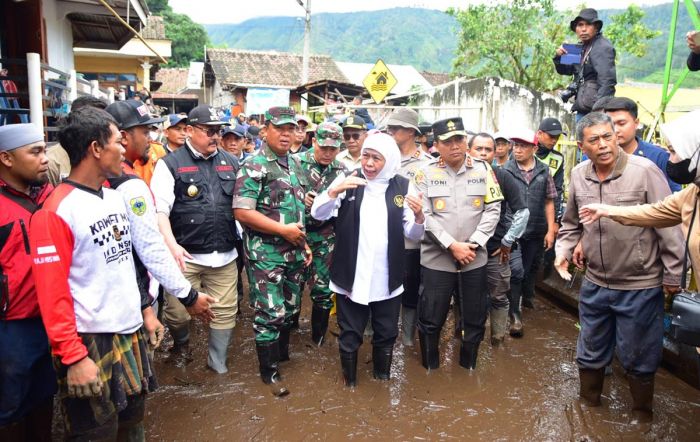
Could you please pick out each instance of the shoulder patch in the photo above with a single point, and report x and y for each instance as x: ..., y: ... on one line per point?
x: 138, y: 205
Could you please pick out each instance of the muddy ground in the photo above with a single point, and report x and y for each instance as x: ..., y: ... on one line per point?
x: 523, y: 390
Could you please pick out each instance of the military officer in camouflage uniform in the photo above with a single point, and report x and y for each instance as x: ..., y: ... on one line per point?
x: 321, y: 168
x: 269, y: 202
x: 460, y: 202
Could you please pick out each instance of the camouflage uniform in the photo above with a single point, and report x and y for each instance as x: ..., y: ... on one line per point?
x: 320, y: 234
x: 266, y: 184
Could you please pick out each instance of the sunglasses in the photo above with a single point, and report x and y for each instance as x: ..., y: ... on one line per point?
x: 210, y: 131
x: 355, y: 136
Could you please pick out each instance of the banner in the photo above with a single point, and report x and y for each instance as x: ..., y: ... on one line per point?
x: 258, y: 100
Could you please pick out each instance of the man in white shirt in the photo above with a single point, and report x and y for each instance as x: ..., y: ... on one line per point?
x: 193, y: 188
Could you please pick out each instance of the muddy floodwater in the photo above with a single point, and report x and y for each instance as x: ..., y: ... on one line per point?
x: 524, y: 390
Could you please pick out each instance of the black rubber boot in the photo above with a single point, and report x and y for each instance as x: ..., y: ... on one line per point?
x: 642, y: 389
x: 295, y: 319
x: 591, y: 385
x: 348, y: 361
x: 430, y: 356
x: 268, y: 357
x: 468, y: 353
x: 319, y: 324
x: 381, y: 356
x: 285, y: 330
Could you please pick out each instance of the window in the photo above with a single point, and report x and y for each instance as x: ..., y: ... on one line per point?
x: 112, y: 80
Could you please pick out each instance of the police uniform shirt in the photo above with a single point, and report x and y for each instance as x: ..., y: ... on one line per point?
x: 462, y: 206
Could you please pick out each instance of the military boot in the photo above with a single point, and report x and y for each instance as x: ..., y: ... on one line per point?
x: 285, y: 331
x: 429, y: 350
x: 381, y: 357
x: 642, y: 389
x: 348, y: 361
x: 591, y: 385
x: 268, y: 358
x: 319, y: 324
x: 499, y: 323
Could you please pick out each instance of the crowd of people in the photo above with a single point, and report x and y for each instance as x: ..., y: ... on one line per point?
x: 134, y: 223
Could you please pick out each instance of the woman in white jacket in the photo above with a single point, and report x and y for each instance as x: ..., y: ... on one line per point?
x: 374, y: 208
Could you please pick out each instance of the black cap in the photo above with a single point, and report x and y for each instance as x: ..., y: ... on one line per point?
x: 621, y: 103
x: 132, y: 113
x: 588, y: 14
x: 552, y: 126
x: 449, y: 127
x: 206, y: 115
x: 354, y: 122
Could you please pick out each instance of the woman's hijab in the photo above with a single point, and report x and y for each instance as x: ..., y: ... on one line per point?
x: 386, y: 146
x: 684, y: 135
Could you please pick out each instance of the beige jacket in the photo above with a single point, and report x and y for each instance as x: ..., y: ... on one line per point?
x: 675, y: 209
x: 620, y: 257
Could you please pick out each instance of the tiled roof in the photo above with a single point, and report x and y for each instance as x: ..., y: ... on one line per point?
x: 436, y: 78
x: 281, y: 69
x: 154, y: 29
x: 173, y: 80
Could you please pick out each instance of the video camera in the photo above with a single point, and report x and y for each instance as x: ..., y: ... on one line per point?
x: 570, y: 91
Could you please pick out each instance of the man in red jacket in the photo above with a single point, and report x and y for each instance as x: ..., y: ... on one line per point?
x: 27, y: 380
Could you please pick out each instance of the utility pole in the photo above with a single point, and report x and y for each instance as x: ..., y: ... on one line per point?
x: 307, y: 41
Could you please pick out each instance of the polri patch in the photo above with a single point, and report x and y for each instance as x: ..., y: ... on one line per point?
x: 398, y: 200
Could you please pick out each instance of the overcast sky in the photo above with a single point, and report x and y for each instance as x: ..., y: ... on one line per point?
x: 236, y: 11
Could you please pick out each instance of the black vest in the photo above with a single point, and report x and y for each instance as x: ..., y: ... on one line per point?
x: 535, y: 196
x: 347, y: 231
x: 202, y: 215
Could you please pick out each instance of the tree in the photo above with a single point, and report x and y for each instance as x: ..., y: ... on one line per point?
x: 517, y: 40
x: 628, y: 34
x: 188, y: 38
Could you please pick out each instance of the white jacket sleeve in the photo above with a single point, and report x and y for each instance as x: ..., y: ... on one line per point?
x: 148, y: 241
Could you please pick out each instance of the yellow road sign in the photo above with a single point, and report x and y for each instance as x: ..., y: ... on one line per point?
x: 379, y: 82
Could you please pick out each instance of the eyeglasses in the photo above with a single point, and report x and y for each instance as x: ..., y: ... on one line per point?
x: 353, y: 136
x: 210, y: 131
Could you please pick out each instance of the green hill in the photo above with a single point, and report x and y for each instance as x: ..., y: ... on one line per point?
x: 423, y: 38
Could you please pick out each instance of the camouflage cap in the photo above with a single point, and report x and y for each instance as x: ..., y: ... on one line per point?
x: 329, y: 134
x: 281, y: 115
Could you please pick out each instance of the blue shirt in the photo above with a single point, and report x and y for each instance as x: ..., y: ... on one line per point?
x: 658, y: 156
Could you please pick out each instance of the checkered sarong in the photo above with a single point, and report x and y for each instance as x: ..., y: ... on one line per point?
x: 125, y: 370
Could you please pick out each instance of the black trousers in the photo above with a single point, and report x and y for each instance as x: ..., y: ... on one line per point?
x: 434, y: 302
x: 532, y: 250
x: 411, y: 279
x: 353, y: 317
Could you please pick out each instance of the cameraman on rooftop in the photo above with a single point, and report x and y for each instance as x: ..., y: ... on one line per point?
x: 595, y: 75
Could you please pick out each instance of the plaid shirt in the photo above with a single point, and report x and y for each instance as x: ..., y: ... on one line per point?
x: 527, y: 176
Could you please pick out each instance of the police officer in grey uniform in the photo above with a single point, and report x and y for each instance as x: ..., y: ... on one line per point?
x: 461, y: 200
x: 403, y: 126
